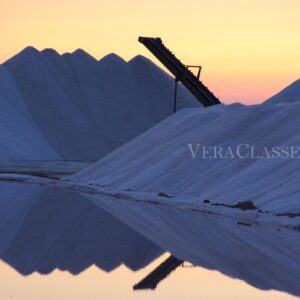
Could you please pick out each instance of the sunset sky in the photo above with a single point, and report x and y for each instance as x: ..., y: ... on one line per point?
x: 249, y: 49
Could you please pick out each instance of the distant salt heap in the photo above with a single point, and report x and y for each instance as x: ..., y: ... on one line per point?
x: 19, y: 135
x: 81, y: 108
x: 288, y: 95
x: 160, y: 160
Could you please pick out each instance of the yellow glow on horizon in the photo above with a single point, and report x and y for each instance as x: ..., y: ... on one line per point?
x: 93, y: 283
x: 249, y: 49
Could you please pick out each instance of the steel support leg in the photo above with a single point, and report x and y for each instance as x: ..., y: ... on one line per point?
x: 175, y: 97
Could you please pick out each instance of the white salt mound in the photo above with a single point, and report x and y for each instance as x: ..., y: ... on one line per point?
x: 160, y: 160
x: 86, y: 108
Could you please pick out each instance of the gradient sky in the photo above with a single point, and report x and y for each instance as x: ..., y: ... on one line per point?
x: 249, y: 49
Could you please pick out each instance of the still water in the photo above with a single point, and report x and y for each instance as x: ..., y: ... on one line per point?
x: 58, y: 244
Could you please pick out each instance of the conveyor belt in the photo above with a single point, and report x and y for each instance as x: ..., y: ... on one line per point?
x: 180, y: 71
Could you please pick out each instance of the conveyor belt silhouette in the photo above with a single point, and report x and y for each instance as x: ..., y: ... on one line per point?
x: 160, y: 273
x: 180, y: 71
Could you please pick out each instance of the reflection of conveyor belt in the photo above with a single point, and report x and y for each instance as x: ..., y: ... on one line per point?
x: 180, y: 71
x: 159, y: 274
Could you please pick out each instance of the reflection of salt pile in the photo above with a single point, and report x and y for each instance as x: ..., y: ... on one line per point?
x: 264, y: 256
x: 80, y: 107
x: 160, y: 160
x: 43, y: 229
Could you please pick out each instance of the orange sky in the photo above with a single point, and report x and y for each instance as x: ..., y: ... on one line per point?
x: 92, y: 284
x: 249, y: 49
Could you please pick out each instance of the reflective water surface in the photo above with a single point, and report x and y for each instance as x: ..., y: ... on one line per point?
x: 58, y: 244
